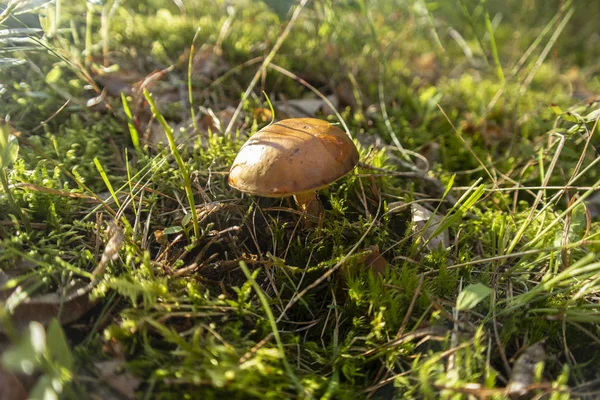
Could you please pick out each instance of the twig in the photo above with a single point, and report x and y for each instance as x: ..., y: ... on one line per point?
x: 410, y: 308
x: 50, y: 118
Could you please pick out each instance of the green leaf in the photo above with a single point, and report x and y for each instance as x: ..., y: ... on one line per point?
x: 578, y: 224
x: 44, y: 389
x: 54, y: 75
x: 172, y: 229
x: 104, y: 176
x: 556, y: 109
x: 135, y: 140
x: 593, y: 116
x: 472, y: 295
x: 9, y: 147
x: 571, y: 117
x: 24, y: 356
x: 37, y: 336
x: 186, y: 219
x: 58, y: 346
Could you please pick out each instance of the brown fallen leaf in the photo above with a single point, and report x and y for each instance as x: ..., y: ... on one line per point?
x: 112, y: 83
x: 4, y: 278
x: 207, y: 64
x: 492, y: 133
x: 142, y: 115
x: 206, y: 121
x: 523, y: 372
x: 216, y: 122
x: 10, y: 387
x: 375, y: 261
x: 132, y: 84
x: 67, y: 307
x: 345, y: 95
x: 68, y: 304
x: 431, y: 152
x: 372, y: 259
x: 420, y: 218
x: 117, y: 82
x: 579, y: 81
x: 308, y: 107
x: 371, y: 140
x: 593, y: 205
x: 114, y: 374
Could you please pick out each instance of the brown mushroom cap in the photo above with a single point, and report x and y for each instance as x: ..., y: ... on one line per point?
x: 293, y: 156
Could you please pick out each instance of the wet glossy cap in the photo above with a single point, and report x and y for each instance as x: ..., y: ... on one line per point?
x: 293, y: 156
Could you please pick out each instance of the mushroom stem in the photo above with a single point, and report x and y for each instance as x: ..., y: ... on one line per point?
x: 309, y: 203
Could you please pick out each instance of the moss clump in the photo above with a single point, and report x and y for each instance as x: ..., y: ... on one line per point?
x: 170, y: 305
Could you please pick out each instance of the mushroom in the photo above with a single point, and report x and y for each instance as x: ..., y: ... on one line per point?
x: 294, y: 157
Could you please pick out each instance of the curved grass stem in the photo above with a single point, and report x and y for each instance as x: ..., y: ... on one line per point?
x: 265, y: 303
x: 13, y: 203
x: 182, y: 167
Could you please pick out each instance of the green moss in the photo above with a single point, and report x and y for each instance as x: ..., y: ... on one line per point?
x: 174, y: 306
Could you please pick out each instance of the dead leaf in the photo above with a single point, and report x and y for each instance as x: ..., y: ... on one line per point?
x: 113, y: 373
x: 206, y: 121
x: 375, y: 261
x: 132, y: 84
x: 67, y: 304
x: 579, y: 81
x: 592, y: 203
x: 4, y: 278
x: 216, y: 122
x: 117, y: 82
x: 142, y: 115
x: 308, y: 107
x: 150, y: 79
x: 431, y: 152
x: 523, y: 372
x: 345, y: 95
x: 10, y: 387
x: 67, y: 307
x: 206, y: 64
x: 592, y: 100
x: 492, y: 133
x: 370, y: 259
x: 371, y: 140
x: 95, y: 101
x: 420, y: 218
x: 160, y: 237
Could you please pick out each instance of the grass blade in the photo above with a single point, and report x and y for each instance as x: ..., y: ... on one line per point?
x: 265, y: 303
x: 102, y: 172
x: 182, y: 167
x: 490, y: 30
x: 135, y: 139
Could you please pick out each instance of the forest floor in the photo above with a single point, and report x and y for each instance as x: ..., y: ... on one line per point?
x: 460, y: 259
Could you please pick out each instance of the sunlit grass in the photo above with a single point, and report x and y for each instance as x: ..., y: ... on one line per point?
x: 211, y: 294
